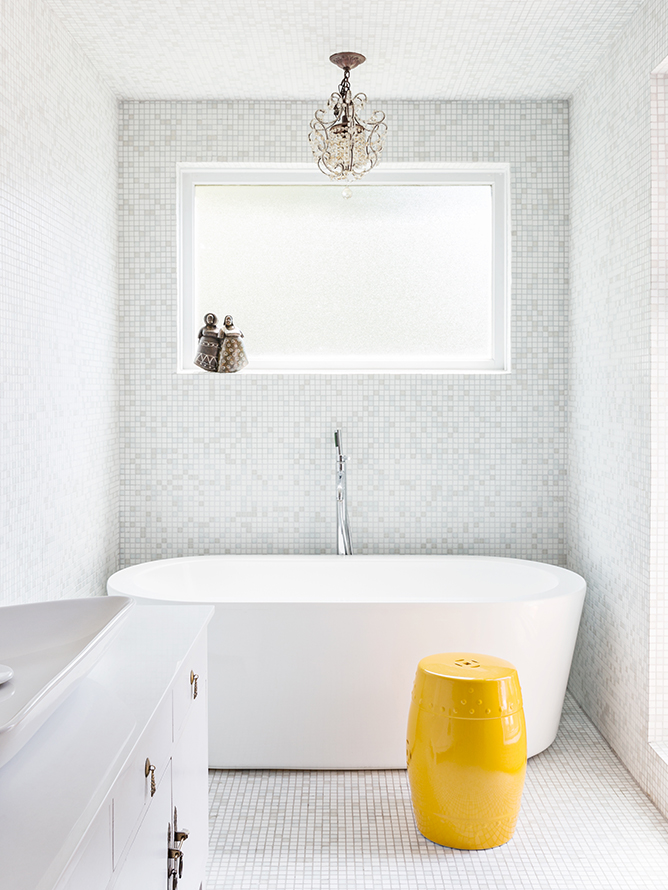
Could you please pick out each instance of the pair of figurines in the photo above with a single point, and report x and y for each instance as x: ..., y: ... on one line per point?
x: 220, y: 349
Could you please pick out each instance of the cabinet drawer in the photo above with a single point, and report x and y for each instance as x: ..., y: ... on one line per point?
x: 190, y: 684
x: 132, y: 791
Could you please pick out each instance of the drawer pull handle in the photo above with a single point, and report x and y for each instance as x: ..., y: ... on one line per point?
x: 175, y: 854
x: 175, y: 872
x: 193, y: 682
x: 149, y: 769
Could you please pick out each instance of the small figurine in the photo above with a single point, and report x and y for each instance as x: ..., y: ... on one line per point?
x: 232, y: 353
x: 208, y: 346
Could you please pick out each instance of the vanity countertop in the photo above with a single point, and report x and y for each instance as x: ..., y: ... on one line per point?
x: 51, y: 790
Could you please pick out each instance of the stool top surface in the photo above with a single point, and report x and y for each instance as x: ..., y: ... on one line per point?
x: 467, y: 685
x: 467, y: 666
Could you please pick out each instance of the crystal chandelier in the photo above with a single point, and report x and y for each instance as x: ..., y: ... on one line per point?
x: 344, y: 143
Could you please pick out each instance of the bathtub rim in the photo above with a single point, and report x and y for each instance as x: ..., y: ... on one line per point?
x: 126, y: 580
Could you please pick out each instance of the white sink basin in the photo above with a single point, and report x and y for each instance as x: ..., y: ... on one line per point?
x: 50, y: 646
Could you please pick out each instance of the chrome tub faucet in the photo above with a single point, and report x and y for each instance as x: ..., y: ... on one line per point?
x: 344, y: 545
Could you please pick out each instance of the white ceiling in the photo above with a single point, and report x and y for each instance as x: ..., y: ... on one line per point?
x: 279, y: 49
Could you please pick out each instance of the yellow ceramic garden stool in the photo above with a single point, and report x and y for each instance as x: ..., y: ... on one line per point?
x: 466, y: 750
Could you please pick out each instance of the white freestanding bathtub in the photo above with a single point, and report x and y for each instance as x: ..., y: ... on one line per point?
x: 312, y: 658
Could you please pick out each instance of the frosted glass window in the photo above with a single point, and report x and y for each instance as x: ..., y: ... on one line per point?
x: 401, y: 276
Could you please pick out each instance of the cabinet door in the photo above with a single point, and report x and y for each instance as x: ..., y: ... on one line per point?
x: 90, y: 868
x: 132, y: 791
x: 190, y: 781
x: 145, y: 867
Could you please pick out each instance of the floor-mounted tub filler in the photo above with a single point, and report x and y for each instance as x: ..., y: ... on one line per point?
x: 312, y: 658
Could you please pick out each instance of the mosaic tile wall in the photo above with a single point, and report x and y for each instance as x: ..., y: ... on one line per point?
x: 452, y: 464
x: 58, y: 437
x: 658, y: 634
x: 610, y: 482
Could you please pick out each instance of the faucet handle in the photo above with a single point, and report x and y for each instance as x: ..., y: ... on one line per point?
x: 338, y: 441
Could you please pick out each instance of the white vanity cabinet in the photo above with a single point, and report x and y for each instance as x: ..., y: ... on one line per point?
x: 110, y: 784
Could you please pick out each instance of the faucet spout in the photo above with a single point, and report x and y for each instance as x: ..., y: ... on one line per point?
x: 344, y: 546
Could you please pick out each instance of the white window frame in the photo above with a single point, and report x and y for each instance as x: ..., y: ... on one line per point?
x: 496, y: 175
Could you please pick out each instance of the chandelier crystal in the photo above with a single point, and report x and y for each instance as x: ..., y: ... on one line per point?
x: 345, y: 144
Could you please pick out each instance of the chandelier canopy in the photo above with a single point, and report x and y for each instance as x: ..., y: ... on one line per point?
x: 345, y: 144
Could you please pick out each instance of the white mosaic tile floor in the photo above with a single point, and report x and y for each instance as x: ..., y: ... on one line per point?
x: 584, y: 825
